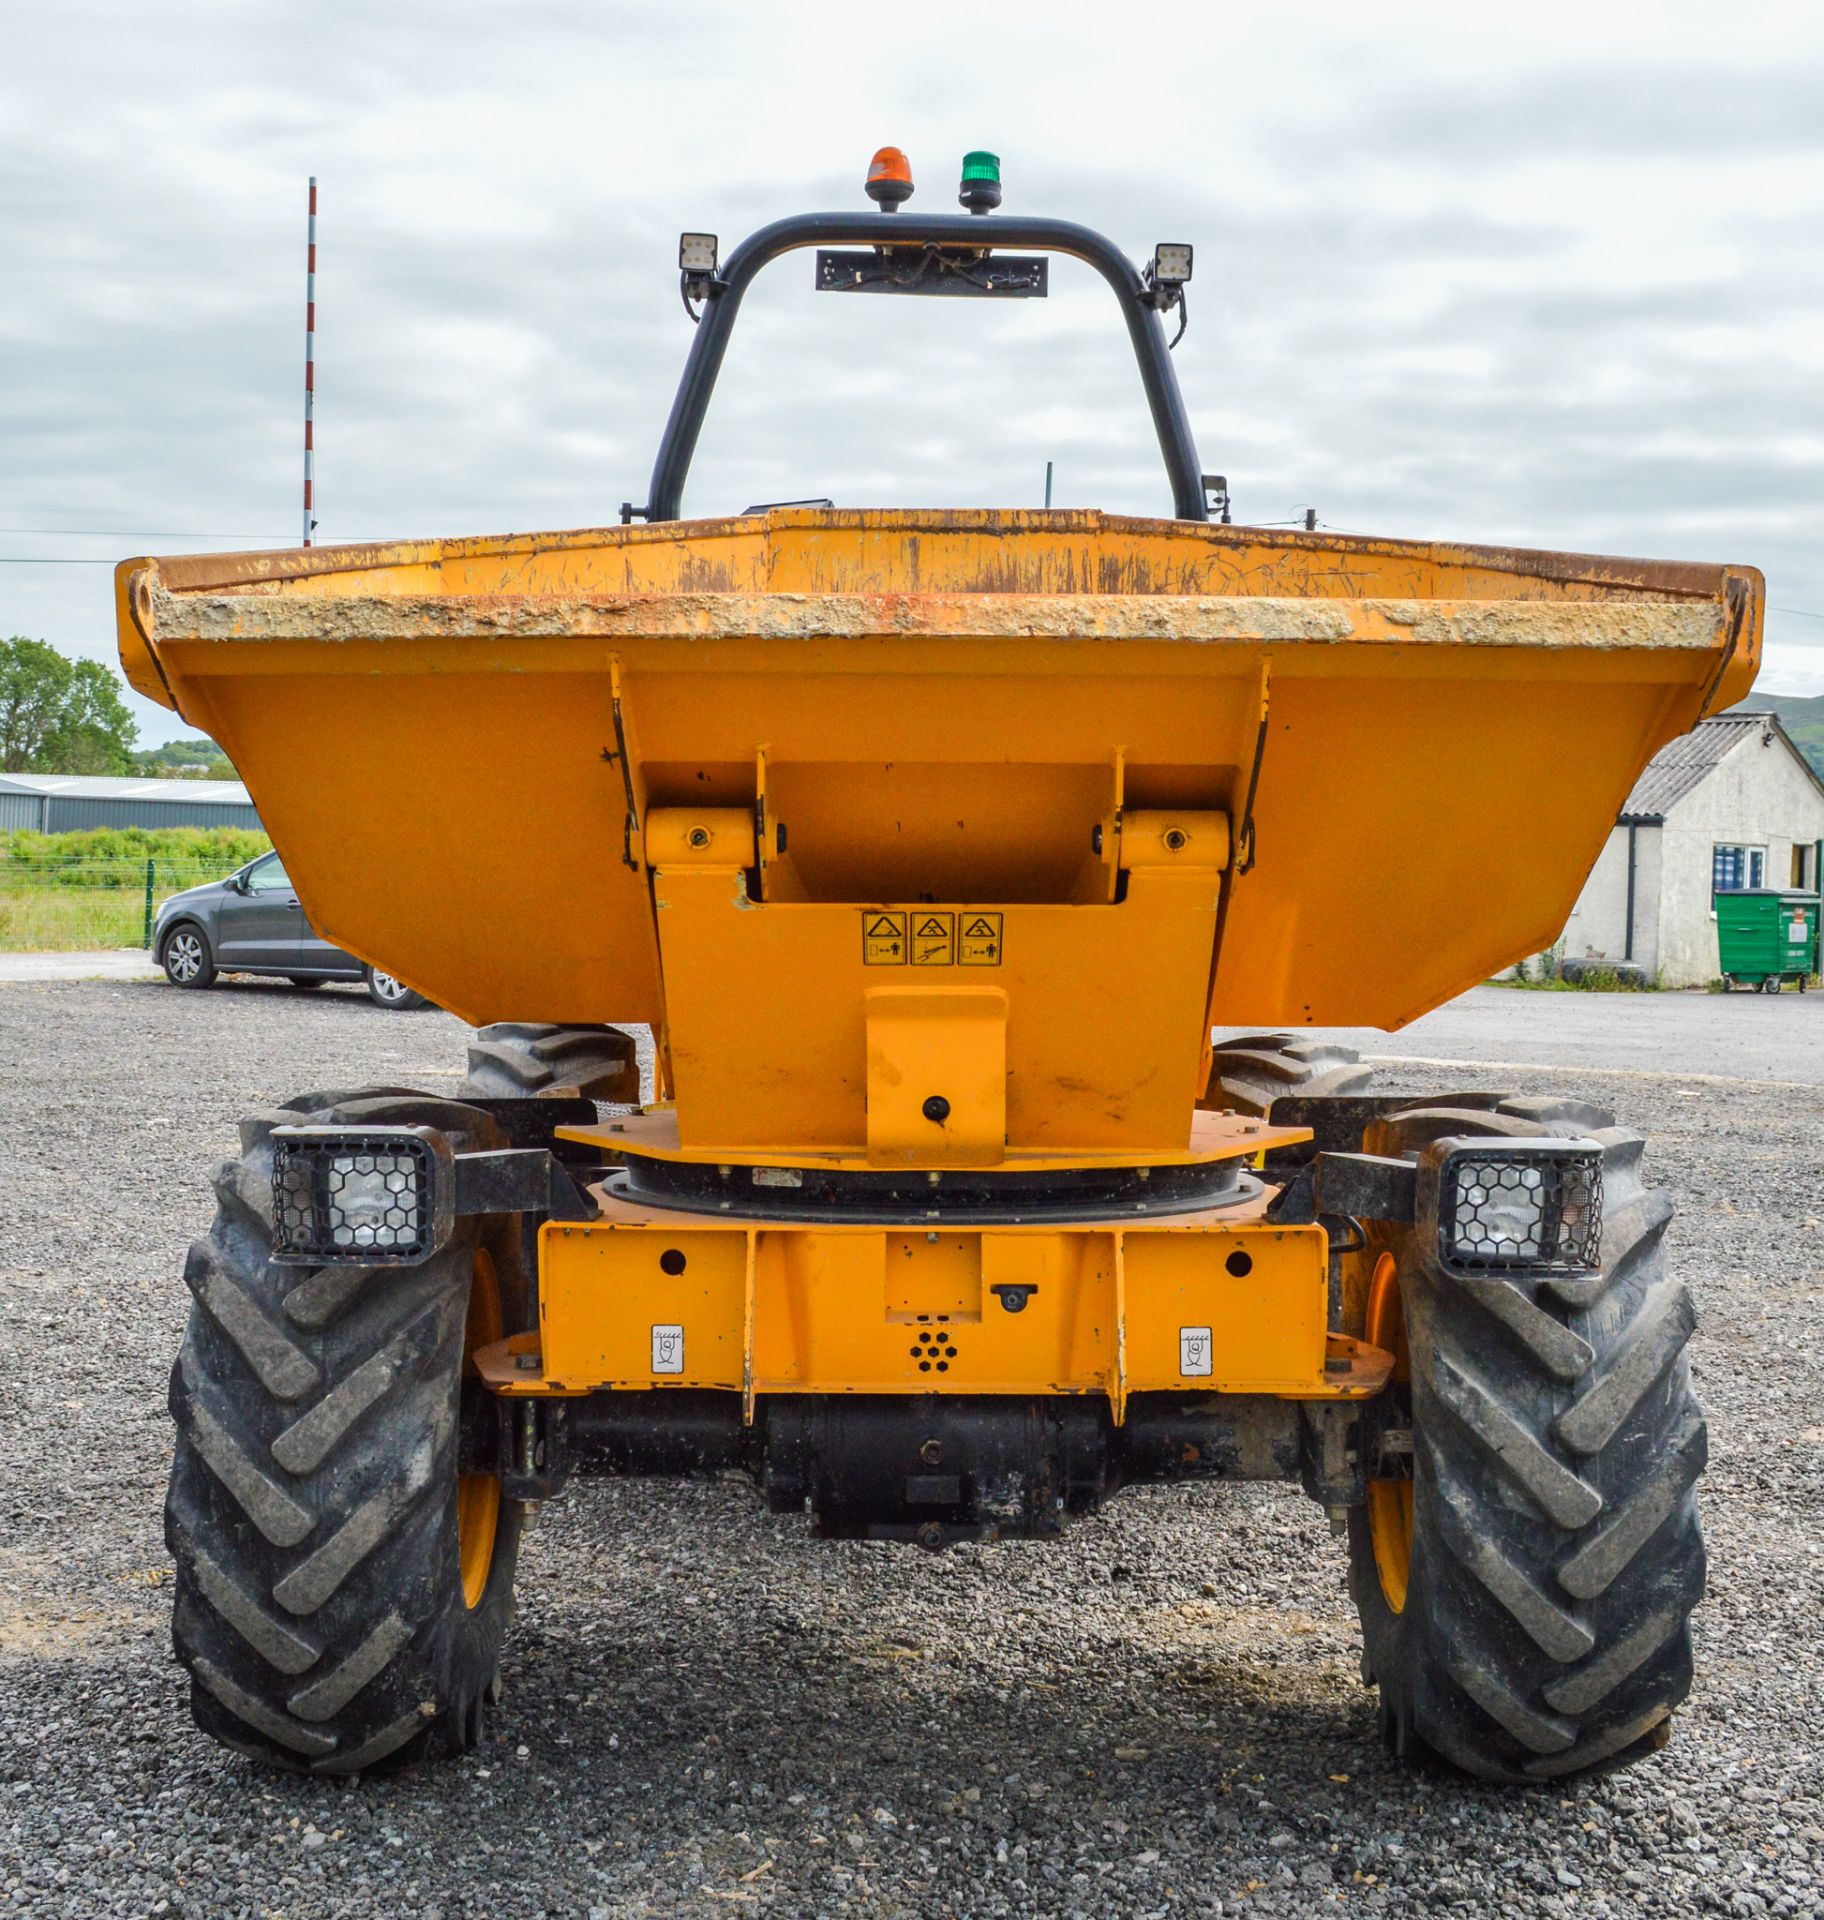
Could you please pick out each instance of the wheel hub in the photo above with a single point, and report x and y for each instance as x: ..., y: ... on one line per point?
x: 478, y: 1494
x: 1390, y: 1498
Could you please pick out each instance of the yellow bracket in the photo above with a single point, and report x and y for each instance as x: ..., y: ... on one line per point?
x: 1204, y: 1303
x: 937, y: 1076
x: 700, y: 837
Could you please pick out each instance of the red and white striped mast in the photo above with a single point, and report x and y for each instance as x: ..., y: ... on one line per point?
x: 310, y: 364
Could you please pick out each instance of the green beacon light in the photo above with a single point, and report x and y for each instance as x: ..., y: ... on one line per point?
x: 981, y: 188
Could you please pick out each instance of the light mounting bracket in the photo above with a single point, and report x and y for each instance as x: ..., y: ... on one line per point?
x: 931, y: 269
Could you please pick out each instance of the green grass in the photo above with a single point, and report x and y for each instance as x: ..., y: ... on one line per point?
x: 1541, y: 976
x: 98, y: 857
x: 1802, y: 716
x: 102, y: 910
x: 1604, y: 980
x: 73, y: 892
x: 56, y: 920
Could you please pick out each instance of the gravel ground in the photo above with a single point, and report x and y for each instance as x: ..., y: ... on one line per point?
x: 708, y: 1713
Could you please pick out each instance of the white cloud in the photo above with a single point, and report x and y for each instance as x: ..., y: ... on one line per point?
x: 1547, y: 279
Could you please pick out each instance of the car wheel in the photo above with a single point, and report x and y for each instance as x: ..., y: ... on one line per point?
x: 385, y: 991
x: 186, y: 958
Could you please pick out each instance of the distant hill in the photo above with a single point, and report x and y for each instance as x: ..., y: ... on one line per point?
x: 194, y: 759
x: 1801, y: 716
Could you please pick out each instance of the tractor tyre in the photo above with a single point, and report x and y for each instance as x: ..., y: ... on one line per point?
x: 1251, y: 1071
x: 513, y: 1060
x: 342, y: 1588
x: 1526, y: 1589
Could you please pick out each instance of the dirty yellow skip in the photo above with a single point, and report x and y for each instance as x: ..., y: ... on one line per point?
x: 863, y: 811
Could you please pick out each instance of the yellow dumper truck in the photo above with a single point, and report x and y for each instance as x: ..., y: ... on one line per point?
x: 932, y: 847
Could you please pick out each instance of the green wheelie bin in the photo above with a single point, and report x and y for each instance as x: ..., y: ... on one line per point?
x: 1765, y: 937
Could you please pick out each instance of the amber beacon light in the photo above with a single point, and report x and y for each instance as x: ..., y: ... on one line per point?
x: 889, y: 179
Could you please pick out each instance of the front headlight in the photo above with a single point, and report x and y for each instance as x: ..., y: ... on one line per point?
x: 1528, y: 1206
x: 373, y: 1196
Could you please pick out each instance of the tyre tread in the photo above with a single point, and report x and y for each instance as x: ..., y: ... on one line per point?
x: 1248, y: 1072
x: 319, y: 1603
x: 1557, y: 1552
x: 520, y: 1060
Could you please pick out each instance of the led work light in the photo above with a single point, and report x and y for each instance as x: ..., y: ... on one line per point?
x: 697, y: 252
x: 1513, y: 1206
x: 369, y: 1196
x: 1171, y: 264
x: 697, y: 264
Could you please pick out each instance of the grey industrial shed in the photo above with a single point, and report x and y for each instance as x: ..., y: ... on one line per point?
x: 72, y: 803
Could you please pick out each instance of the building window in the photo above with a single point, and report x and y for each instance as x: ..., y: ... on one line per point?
x: 1804, y: 867
x: 1733, y: 868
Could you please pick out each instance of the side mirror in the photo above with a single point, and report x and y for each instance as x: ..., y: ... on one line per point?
x: 237, y: 883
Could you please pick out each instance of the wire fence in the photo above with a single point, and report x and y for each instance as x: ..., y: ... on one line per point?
x: 79, y: 905
x: 67, y: 892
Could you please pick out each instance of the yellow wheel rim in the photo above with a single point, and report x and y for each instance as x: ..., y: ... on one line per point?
x: 478, y: 1494
x: 1390, y: 1501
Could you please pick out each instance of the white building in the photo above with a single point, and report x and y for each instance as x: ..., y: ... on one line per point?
x: 1731, y: 804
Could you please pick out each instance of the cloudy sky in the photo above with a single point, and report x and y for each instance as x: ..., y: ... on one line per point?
x: 1551, y: 276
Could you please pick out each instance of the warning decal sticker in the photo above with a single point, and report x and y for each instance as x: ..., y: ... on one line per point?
x: 933, y: 939
x: 883, y: 938
x: 978, y: 940
x: 929, y: 937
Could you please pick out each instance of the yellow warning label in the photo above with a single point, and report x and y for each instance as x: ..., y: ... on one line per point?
x: 925, y: 937
x: 933, y: 939
x: 883, y: 939
x: 978, y: 940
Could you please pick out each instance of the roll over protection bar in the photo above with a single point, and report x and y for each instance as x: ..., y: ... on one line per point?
x: 950, y: 230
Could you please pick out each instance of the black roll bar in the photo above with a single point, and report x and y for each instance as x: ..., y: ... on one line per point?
x: 941, y: 229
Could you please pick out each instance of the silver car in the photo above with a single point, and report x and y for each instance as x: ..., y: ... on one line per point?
x: 252, y: 922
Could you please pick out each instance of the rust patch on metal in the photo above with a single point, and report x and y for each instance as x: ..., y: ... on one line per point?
x: 1125, y: 554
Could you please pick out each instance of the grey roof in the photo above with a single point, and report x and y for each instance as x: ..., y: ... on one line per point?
x: 82, y: 786
x: 1686, y: 762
